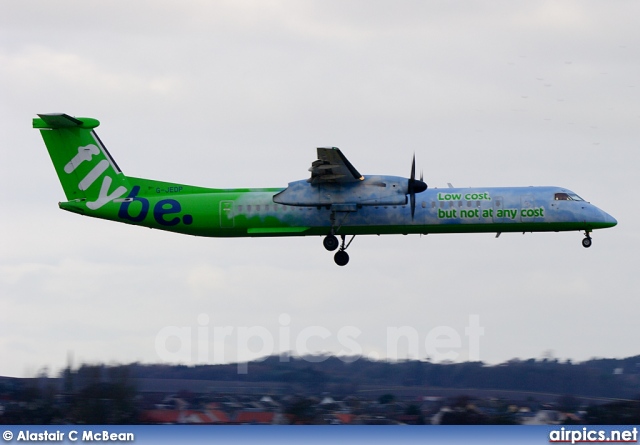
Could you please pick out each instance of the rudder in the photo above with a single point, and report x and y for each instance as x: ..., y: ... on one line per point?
x: 80, y: 159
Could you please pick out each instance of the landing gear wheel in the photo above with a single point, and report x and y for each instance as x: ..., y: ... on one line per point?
x: 586, y: 242
x: 341, y: 258
x: 330, y: 243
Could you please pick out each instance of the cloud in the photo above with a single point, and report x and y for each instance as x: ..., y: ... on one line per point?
x: 40, y: 66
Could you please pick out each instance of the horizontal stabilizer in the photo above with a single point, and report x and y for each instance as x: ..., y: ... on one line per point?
x: 61, y: 120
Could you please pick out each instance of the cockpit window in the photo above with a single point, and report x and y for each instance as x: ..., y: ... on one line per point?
x: 567, y: 197
x: 575, y: 197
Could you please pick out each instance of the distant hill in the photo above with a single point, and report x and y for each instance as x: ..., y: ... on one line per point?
x: 596, y: 378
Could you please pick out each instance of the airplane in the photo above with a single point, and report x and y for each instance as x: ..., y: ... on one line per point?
x: 335, y: 201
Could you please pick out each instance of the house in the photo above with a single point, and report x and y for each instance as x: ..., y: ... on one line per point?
x: 259, y: 417
x: 175, y: 416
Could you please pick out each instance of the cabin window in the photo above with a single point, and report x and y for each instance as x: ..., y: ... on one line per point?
x: 257, y: 207
x: 433, y: 204
x: 248, y: 207
x: 266, y: 207
x: 240, y: 208
x: 468, y: 203
x: 424, y: 205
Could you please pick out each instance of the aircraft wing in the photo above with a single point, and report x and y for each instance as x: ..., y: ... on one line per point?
x: 332, y: 166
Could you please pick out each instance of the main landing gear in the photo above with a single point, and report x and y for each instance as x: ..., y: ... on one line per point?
x: 331, y: 243
x: 586, y: 242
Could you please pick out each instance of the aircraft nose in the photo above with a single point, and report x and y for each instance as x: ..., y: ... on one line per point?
x: 609, y: 220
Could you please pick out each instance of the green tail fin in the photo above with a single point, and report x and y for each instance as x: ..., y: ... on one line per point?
x: 85, y: 168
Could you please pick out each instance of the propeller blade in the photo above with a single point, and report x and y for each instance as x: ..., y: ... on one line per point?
x: 413, y: 205
x: 413, y: 168
x: 411, y: 186
x: 414, y: 186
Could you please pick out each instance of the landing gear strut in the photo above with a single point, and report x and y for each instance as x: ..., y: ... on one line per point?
x: 586, y: 241
x: 342, y: 257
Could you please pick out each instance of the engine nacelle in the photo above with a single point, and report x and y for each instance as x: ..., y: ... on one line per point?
x: 373, y: 190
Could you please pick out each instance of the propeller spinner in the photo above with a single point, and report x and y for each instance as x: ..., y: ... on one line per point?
x: 414, y: 186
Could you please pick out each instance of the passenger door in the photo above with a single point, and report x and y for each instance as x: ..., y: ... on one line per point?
x: 226, y: 214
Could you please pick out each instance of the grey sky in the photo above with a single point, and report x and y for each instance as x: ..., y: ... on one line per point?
x: 239, y: 93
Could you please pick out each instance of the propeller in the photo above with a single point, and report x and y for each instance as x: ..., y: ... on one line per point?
x: 414, y: 186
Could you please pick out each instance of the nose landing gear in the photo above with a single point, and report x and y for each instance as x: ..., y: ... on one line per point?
x: 586, y: 241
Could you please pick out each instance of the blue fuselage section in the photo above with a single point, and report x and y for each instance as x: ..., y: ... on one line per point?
x: 449, y: 210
